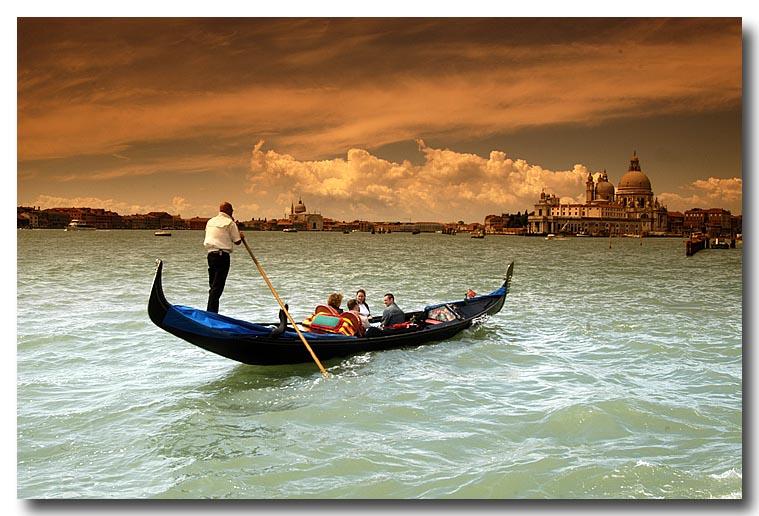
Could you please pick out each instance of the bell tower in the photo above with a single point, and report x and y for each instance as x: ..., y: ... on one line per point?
x: 589, y: 190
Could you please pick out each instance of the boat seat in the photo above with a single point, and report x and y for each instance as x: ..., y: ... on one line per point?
x: 401, y: 326
x: 355, y: 321
x: 325, y: 309
x: 320, y: 309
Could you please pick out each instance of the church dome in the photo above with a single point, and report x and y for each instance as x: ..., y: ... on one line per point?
x: 604, y: 190
x: 300, y: 207
x: 634, y: 179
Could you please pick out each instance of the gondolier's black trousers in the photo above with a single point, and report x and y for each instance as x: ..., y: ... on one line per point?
x: 218, y: 268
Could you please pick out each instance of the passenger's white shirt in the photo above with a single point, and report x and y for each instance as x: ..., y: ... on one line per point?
x: 363, y: 309
x: 364, y: 320
x: 221, y: 233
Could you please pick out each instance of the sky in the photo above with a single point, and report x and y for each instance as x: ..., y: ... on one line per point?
x: 384, y: 119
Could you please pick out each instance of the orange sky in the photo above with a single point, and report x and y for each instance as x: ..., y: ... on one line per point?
x: 380, y: 119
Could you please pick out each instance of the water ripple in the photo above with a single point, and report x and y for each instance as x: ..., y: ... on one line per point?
x: 610, y: 373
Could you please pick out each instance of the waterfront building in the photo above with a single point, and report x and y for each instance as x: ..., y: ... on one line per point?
x: 714, y: 222
x: 675, y: 220
x: 177, y: 222
x: 631, y: 208
x: 258, y: 225
x: 493, y: 224
x: 197, y: 223
x: 301, y: 220
x: 506, y: 224
x: 23, y: 220
x: 163, y: 219
x: 97, y: 217
x: 737, y: 223
x: 409, y: 227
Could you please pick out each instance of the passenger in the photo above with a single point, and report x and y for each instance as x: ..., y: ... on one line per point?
x: 334, y: 300
x: 362, y: 306
x: 353, y: 306
x: 391, y: 314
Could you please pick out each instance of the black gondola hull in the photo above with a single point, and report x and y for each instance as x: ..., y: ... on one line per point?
x: 268, y: 347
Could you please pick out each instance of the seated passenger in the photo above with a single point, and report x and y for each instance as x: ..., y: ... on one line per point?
x: 334, y: 301
x: 353, y: 307
x: 361, y: 299
x: 391, y: 314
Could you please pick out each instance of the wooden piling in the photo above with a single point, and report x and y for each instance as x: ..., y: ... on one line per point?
x: 695, y: 244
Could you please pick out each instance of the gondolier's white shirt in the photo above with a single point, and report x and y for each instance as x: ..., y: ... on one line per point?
x: 221, y: 233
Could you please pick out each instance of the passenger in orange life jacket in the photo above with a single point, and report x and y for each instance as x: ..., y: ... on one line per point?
x: 334, y: 301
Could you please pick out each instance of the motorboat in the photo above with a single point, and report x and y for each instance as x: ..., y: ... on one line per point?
x: 79, y: 225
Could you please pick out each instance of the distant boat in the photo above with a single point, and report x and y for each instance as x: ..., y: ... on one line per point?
x: 550, y: 236
x: 415, y: 232
x: 720, y: 244
x: 289, y: 230
x: 79, y: 225
x: 162, y: 233
x: 478, y: 234
x: 582, y: 234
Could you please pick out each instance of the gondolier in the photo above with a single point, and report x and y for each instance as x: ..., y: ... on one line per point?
x: 221, y: 233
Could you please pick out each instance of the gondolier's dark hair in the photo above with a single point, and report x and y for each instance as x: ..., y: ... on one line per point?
x: 226, y: 207
x: 390, y: 296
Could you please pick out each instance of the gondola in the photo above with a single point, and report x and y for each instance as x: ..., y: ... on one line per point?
x: 278, y: 343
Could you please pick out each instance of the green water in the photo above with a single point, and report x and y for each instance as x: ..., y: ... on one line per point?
x: 610, y: 373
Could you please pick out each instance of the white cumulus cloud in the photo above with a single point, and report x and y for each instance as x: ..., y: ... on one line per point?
x: 447, y: 186
x: 713, y: 192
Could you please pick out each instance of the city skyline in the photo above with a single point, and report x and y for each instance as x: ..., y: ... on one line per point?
x: 374, y: 119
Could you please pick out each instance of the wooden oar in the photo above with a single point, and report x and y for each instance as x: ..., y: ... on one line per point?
x: 282, y: 305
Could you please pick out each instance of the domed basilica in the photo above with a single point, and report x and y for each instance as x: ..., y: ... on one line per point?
x: 304, y: 221
x: 631, y: 208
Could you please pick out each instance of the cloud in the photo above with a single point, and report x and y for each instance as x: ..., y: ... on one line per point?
x: 179, y: 205
x: 449, y: 185
x: 248, y: 208
x: 173, y: 207
x: 707, y: 193
x: 105, y: 170
x: 352, y: 85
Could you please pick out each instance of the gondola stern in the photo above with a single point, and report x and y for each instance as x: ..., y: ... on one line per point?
x: 507, y: 280
x: 503, y: 291
x: 157, y: 304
